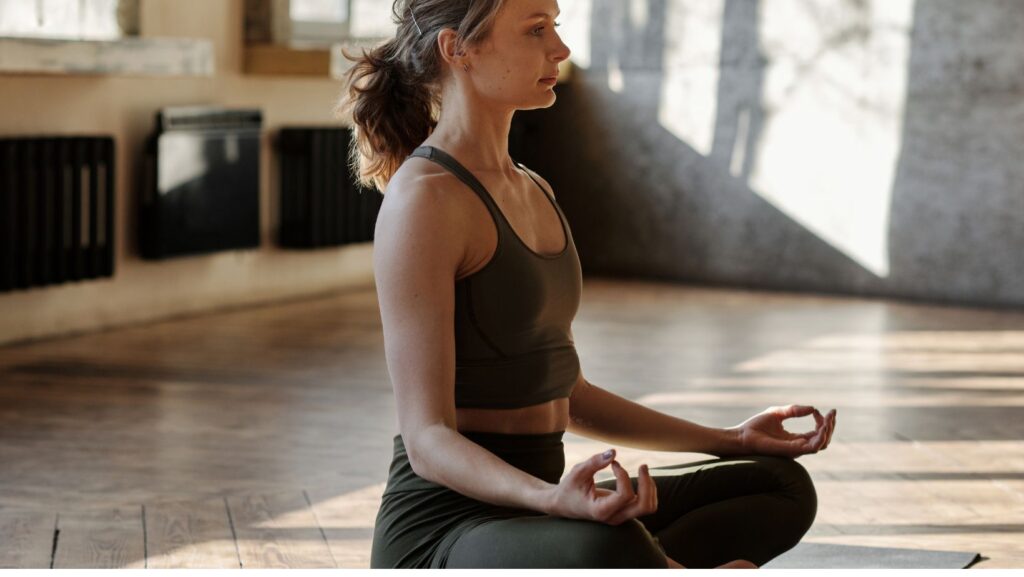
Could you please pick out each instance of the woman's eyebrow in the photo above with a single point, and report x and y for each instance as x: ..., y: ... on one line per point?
x: 542, y: 15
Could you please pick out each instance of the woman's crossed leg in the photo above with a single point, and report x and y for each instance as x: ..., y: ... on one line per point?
x: 709, y: 513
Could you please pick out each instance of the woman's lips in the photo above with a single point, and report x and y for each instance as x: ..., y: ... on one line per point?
x: 550, y: 81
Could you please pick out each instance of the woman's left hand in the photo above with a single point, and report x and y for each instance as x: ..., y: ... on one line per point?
x: 763, y: 434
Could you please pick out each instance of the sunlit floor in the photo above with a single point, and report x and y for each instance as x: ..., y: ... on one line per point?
x: 262, y: 437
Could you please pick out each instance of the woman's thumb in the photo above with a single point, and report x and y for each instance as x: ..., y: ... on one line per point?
x: 596, y: 463
x: 601, y: 460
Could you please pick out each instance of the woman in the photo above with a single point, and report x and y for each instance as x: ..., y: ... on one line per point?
x: 478, y: 281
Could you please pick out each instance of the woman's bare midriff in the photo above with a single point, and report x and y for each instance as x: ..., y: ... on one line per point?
x: 546, y: 417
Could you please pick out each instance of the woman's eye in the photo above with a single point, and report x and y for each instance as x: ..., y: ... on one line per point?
x: 537, y: 29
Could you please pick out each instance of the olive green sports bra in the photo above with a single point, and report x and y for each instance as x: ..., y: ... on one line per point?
x: 513, y: 345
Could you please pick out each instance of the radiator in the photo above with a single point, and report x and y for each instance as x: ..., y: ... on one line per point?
x: 56, y: 210
x: 321, y: 204
x: 200, y: 189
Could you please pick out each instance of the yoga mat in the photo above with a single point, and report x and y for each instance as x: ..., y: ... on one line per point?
x: 830, y: 556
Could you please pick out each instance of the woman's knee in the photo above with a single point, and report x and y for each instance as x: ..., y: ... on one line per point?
x: 627, y: 545
x: 796, y: 484
x: 557, y: 543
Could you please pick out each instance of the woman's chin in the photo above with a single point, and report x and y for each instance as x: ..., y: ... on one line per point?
x: 547, y: 99
x: 539, y: 99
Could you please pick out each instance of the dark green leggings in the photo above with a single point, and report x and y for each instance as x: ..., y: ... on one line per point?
x: 709, y: 512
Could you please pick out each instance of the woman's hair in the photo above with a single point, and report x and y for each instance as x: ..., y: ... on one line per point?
x: 392, y: 90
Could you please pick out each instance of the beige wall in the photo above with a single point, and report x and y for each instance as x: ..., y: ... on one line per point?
x: 125, y: 107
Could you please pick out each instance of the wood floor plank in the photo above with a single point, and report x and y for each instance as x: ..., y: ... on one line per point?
x: 26, y: 538
x: 278, y: 531
x: 190, y: 534
x: 347, y: 515
x: 101, y: 539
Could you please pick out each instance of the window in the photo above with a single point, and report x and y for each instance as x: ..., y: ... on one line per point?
x: 331, y: 21
x: 68, y: 19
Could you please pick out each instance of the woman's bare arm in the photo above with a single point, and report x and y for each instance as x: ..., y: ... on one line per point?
x: 419, y: 243
x: 461, y: 465
x: 600, y: 414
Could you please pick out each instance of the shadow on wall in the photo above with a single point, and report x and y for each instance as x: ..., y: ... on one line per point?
x: 843, y: 147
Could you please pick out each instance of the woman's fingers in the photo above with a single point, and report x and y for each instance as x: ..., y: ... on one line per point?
x: 826, y: 430
x: 823, y: 434
x: 606, y: 507
x: 585, y: 471
x: 645, y: 503
x: 622, y: 482
x: 831, y: 427
x: 625, y: 502
x: 791, y: 411
x: 651, y: 487
x: 818, y: 440
x: 634, y: 507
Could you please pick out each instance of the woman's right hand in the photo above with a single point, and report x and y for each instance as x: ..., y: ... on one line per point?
x: 577, y: 497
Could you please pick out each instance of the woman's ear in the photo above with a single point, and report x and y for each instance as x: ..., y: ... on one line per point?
x: 448, y: 44
x: 452, y: 50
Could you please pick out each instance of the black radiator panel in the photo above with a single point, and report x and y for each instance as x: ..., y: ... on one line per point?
x: 56, y: 210
x: 321, y: 203
x: 200, y: 189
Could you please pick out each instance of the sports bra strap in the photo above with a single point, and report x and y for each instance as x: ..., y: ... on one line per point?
x: 444, y: 159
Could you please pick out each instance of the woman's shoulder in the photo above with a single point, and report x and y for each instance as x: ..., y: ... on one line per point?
x: 539, y: 179
x: 420, y: 176
x: 419, y: 183
x: 416, y: 173
x: 426, y: 198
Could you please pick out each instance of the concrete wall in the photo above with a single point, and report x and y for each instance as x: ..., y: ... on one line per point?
x: 125, y: 107
x: 870, y: 147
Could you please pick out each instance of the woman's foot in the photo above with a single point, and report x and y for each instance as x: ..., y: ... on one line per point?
x: 737, y: 564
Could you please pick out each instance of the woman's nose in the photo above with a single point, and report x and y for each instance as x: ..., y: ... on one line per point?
x: 562, y: 52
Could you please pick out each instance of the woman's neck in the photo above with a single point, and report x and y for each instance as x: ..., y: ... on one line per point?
x: 476, y: 135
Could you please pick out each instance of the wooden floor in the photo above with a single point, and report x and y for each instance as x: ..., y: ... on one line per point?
x: 261, y: 437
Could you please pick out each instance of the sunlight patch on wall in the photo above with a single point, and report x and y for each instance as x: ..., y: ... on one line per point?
x: 615, y: 80
x: 639, y: 14
x: 689, y: 89
x: 835, y: 88
x: 575, y: 29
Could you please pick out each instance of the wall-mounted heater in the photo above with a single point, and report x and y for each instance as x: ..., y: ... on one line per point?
x: 56, y: 210
x: 321, y: 204
x: 200, y: 190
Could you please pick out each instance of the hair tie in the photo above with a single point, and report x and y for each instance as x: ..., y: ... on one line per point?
x: 413, y: 14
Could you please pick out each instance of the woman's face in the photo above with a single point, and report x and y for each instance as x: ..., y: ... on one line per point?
x: 523, y: 49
